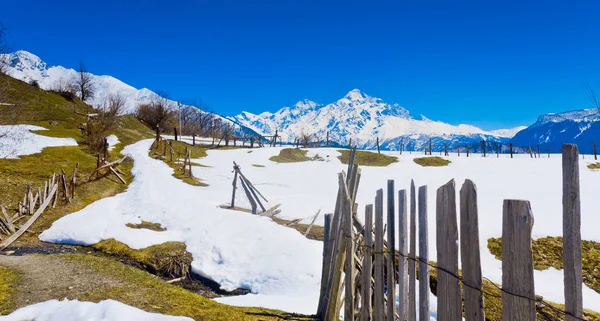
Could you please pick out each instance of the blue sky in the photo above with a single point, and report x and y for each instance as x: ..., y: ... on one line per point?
x: 488, y: 63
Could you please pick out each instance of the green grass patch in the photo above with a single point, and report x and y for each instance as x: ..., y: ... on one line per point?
x: 594, y: 166
x: 149, y: 293
x: 169, y: 259
x: 365, y: 158
x: 435, y: 161
x: 547, y: 252
x: 8, y: 285
x: 290, y: 155
x: 148, y: 226
x: 258, y: 165
x: 158, y: 151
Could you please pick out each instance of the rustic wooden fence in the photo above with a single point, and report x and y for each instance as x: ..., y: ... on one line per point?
x: 362, y: 271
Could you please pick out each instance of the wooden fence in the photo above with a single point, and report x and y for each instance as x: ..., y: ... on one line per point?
x: 363, y: 271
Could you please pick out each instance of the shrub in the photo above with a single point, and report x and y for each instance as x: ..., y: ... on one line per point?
x: 366, y: 158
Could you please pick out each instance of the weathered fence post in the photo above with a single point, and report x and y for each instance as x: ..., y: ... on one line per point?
x: 595, y: 155
x: 349, y: 268
x: 511, y: 150
x: 517, y: 262
x: 467, y: 150
x: 175, y: 132
x: 483, y: 145
x: 367, y: 265
x: 445, y: 150
x: 449, y: 306
x: 402, y: 261
x: 194, y: 139
x: 378, y: 306
x: 412, y: 273
x: 572, y: 232
x: 157, y: 134
x: 423, y: 256
x: 391, y: 252
x: 378, y: 150
x: 430, y: 146
x: 469, y: 252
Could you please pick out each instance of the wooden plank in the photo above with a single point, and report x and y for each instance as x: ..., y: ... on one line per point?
x: 517, y: 262
x: 313, y: 222
x: 234, y: 184
x: 449, y: 307
x: 412, y: 262
x: 403, y: 251
x: 117, y: 175
x: 8, y: 221
x: 423, y: 257
x: 349, y: 271
x: 253, y: 191
x: 391, y: 252
x: 572, y: 232
x: 326, y: 233
x: 339, y: 256
x: 378, y: 306
x: 367, y: 266
x: 249, y: 196
x: 26, y: 226
x: 55, y: 195
x: 469, y: 251
x: 74, y: 180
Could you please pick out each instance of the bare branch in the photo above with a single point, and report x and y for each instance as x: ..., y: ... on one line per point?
x: 591, y: 94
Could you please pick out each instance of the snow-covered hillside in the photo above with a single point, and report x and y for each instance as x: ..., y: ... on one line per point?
x: 363, y: 119
x: 581, y: 127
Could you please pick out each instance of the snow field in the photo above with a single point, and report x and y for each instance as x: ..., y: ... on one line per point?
x: 18, y: 140
x: 109, y: 310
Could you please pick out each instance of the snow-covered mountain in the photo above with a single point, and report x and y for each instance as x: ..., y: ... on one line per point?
x: 28, y: 67
x: 363, y: 119
x: 509, y: 133
x: 581, y: 127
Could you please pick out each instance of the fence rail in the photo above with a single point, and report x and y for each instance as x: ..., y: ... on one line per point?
x: 360, y: 271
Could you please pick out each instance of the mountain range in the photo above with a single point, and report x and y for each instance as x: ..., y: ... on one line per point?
x: 356, y: 117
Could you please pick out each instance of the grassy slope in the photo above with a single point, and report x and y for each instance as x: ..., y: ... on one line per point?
x: 431, y: 161
x: 52, y: 111
x: 365, y: 158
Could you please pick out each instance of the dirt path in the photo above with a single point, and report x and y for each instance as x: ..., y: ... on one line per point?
x: 45, y: 277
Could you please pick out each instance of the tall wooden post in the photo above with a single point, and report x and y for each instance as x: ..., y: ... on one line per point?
x: 327, y: 139
x: 378, y: 306
x: 595, y: 155
x: 449, y: 306
x: 157, y: 134
x: 483, y: 145
x: 423, y: 256
x: 391, y: 255
x: 366, y: 287
x: 105, y: 149
x: 572, y: 232
x: 430, y: 146
x: 378, y: 151
x: 469, y: 252
x: 194, y: 139
x: 350, y: 264
x: 175, y: 132
x: 403, y: 251
x: 467, y: 150
x: 412, y: 268
x: 445, y: 149
x: 517, y: 262
x: 350, y: 144
x: 511, y: 150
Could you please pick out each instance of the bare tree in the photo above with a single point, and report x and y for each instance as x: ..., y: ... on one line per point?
x: 591, y: 94
x: 4, y: 48
x: 159, y: 112
x: 103, y: 121
x: 84, y: 83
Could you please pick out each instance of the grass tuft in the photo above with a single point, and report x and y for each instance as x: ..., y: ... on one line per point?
x: 258, y: 165
x: 435, y: 161
x: 291, y: 155
x: 594, y: 166
x: 365, y: 158
x: 148, y: 226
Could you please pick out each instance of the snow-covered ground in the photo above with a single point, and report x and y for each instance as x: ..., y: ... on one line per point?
x: 281, y: 267
x: 236, y: 249
x: 109, y: 310
x: 18, y: 140
x: 112, y: 141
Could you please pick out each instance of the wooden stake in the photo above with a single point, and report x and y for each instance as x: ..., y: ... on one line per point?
x: 423, y: 257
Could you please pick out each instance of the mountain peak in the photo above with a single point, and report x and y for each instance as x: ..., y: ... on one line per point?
x: 306, y: 104
x: 23, y: 60
x: 355, y: 95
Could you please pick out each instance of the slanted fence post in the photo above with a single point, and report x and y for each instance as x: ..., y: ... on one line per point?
x: 469, y: 252
x: 518, y: 298
x: 423, y: 256
x: 391, y: 252
x: 449, y: 306
x: 572, y: 232
x: 403, y: 251
x: 378, y: 306
x: 412, y: 269
x: 367, y: 265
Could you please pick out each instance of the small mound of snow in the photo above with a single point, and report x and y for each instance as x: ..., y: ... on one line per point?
x: 112, y: 141
x: 109, y: 310
x: 18, y: 140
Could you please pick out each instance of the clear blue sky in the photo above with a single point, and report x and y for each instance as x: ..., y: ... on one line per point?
x: 487, y: 63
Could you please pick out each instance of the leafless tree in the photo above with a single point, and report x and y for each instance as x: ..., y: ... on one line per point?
x: 305, y: 138
x: 64, y: 88
x: 99, y: 125
x: 84, y: 83
x: 4, y: 48
x: 159, y: 112
x: 591, y: 94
